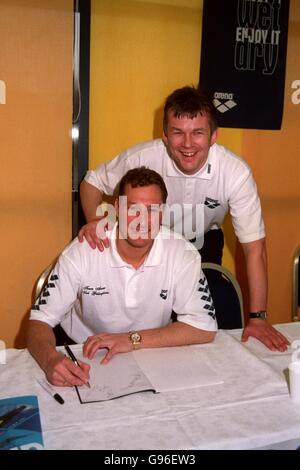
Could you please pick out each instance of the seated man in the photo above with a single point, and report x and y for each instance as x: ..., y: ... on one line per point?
x: 123, y: 298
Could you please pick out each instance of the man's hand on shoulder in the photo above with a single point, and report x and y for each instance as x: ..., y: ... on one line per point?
x: 266, y: 333
x: 91, y: 234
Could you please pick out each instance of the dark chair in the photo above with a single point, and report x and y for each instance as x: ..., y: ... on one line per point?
x: 226, y: 294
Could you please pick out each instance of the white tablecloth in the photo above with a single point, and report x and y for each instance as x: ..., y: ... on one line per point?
x: 251, y: 409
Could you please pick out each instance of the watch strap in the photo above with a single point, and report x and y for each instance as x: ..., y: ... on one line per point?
x: 262, y: 314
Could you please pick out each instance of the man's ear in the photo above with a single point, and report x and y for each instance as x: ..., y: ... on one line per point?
x: 116, y: 204
x: 214, y: 137
x: 165, y: 138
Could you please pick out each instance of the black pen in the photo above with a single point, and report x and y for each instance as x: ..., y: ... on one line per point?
x: 47, y: 387
x: 73, y: 358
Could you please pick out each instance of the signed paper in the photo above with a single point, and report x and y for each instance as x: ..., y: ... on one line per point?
x: 156, y: 370
x: 121, y: 376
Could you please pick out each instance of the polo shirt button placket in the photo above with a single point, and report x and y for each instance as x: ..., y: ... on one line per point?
x: 189, y: 190
x: 131, y: 290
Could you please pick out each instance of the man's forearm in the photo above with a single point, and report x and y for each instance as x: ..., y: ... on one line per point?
x: 41, y: 342
x: 175, y: 334
x: 256, y: 262
x: 90, y: 198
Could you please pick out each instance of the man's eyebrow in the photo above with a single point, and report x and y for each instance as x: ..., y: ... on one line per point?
x: 174, y: 128
x: 132, y: 203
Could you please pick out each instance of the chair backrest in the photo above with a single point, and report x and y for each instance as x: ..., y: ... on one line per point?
x: 296, y: 286
x: 60, y: 335
x: 226, y: 294
x: 42, y: 280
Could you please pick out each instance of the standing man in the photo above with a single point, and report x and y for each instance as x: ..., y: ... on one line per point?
x: 202, y: 175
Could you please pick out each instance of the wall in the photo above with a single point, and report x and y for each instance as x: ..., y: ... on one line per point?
x: 142, y: 50
x: 36, y: 150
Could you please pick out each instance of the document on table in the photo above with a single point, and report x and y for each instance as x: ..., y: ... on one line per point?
x: 156, y: 370
x: 176, y: 368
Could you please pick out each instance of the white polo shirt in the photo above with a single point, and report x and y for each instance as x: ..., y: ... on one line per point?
x: 90, y: 291
x: 225, y: 183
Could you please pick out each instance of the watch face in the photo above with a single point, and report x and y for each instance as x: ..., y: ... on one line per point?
x: 135, y: 337
x: 262, y: 315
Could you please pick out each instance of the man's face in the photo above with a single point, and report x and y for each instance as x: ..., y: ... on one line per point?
x: 140, y: 215
x: 188, y: 141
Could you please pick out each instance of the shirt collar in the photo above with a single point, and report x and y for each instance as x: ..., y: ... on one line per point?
x: 154, y: 258
x: 206, y: 172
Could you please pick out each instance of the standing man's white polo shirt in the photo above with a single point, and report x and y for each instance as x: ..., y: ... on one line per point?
x: 102, y: 293
x: 224, y: 184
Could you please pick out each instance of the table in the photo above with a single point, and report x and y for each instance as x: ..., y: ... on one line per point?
x: 251, y: 409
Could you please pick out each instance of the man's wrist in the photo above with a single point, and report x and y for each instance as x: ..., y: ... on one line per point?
x: 51, y: 357
x: 259, y: 314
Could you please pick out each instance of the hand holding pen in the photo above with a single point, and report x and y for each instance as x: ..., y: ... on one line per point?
x: 74, y: 359
x: 62, y: 372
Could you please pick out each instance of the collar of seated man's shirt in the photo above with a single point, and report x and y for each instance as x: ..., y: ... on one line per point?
x: 154, y: 258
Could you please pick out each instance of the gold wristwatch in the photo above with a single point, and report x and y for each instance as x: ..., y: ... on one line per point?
x: 135, y: 338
